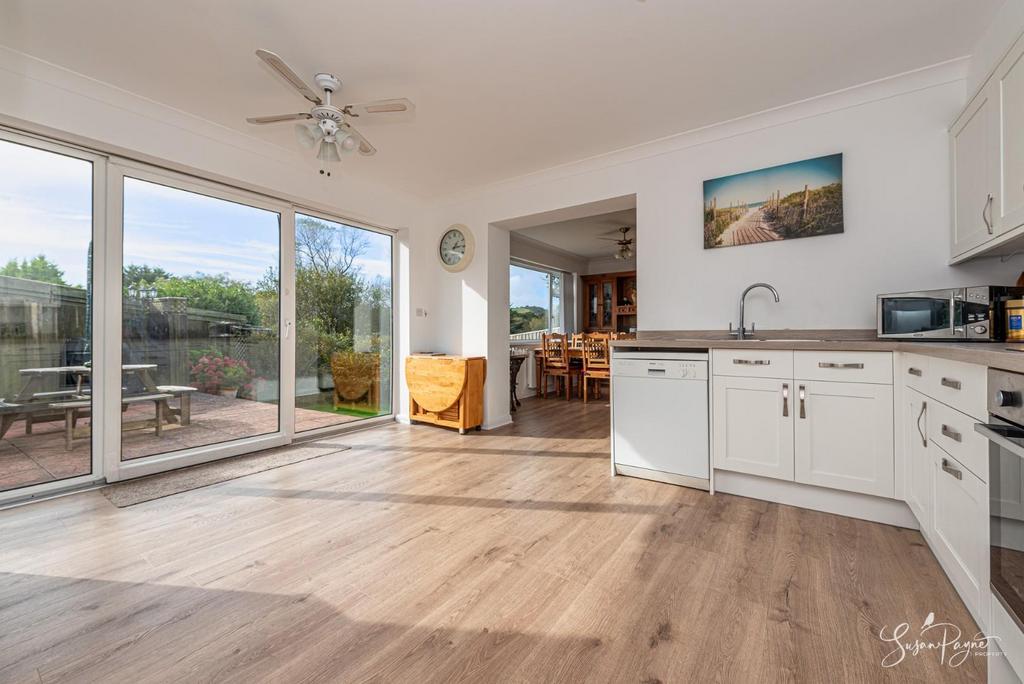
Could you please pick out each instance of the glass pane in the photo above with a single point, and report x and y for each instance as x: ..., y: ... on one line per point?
x: 45, y: 316
x: 529, y: 298
x: 593, y: 307
x: 343, y: 345
x: 556, y: 303
x: 200, y: 345
x: 606, y: 304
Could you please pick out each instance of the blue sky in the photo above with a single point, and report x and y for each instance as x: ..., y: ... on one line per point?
x: 46, y: 208
x: 755, y: 186
x: 527, y: 287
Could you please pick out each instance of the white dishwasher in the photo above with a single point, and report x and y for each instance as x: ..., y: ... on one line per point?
x: 660, y: 416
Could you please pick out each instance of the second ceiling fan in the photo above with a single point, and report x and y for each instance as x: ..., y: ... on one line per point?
x: 331, y: 134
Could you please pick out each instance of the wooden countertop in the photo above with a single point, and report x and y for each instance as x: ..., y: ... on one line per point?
x: 1006, y: 355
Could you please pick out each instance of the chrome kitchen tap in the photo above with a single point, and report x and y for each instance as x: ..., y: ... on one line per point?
x: 741, y: 331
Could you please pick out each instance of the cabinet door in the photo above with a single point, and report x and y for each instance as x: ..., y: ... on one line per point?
x: 844, y: 436
x: 972, y: 139
x: 1009, y: 88
x: 593, y: 306
x: 961, y: 530
x: 918, y: 459
x: 753, y: 426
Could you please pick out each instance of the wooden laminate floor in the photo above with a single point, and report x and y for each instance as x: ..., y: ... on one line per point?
x: 422, y: 556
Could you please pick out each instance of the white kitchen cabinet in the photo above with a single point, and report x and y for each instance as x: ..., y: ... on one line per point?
x: 844, y: 436
x: 959, y: 534
x: 973, y: 146
x: 917, y: 458
x: 1008, y: 92
x: 753, y: 426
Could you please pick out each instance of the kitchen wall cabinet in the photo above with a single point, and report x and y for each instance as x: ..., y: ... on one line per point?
x: 844, y: 436
x: 987, y: 159
x: 917, y: 458
x: 753, y: 426
x: 973, y: 146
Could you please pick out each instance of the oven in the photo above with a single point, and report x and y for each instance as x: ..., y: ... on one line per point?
x: 961, y: 314
x: 1005, y: 433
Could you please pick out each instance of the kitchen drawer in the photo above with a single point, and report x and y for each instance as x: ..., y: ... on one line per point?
x: 954, y: 432
x: 964, y: 386
x: 751, y: 363
x: 869, y: 367
x: 914, y: 371
x: 960, y: 532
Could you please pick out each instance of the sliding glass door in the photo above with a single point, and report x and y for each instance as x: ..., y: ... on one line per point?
x: 47, y: 216
x: 151, y: 320
x: 343, y: 307
x: 200, y: 334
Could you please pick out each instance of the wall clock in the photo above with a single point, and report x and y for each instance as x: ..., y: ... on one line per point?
x: 455, y: 250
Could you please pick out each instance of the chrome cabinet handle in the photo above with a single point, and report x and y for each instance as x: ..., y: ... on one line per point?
x: 986, y: 213
x: 785, y: 400
x: 951, y: 383
x: 924, y: 439
x: 952, y: 434
x: 952, y: 315
x: 915, y: 371
x: 752, y: 362
x: 803, y: 407
x: 826, y: 364
x: 951, y: 470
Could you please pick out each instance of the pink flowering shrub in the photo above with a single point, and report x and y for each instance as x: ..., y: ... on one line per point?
x: 211, y: 374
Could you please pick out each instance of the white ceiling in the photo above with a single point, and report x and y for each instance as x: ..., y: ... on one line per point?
x: 583, y: 236
x: 502, y: 88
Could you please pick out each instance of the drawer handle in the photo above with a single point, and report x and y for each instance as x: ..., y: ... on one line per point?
x: 752, y: 362
x: 951, y: 470
x: 924, y: 408
x: 785, y: 400
x: 803, y: 407
x: 827, y: 364
x: 915, y: 371
x: 951, y: 383
x: 952, y: 434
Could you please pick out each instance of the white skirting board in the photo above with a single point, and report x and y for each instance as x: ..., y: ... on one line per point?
x: 849, y: 504
x: 659, y: 476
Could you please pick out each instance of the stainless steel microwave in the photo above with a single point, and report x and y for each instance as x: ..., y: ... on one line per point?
x: 961, y: 313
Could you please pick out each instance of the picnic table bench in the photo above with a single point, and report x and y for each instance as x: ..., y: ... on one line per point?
x: 71, y: 408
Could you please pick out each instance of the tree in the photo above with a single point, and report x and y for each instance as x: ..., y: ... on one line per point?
x: 323, y: 247
x: 527, y: 319
x: 213, y: 293
x: 136, y: 276
x: 40, y: 268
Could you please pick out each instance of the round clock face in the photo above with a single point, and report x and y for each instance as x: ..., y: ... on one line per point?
x: 455, y: 250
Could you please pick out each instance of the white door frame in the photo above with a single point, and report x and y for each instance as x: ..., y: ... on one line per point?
x: 99, y: 214
x: 116, y: 469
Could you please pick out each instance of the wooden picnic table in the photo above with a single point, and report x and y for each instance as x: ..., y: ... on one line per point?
x: 35, y: 376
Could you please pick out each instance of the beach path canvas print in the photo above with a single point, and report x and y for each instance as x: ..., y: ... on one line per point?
x: 801, y: 199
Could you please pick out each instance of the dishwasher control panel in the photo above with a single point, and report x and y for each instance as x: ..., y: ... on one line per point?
x: 670, y: 369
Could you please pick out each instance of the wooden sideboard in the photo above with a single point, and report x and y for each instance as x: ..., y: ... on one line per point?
x: 447, y: 390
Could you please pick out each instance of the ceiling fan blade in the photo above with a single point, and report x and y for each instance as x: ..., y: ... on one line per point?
x: 394, y: 106
x: 308, y: 136
x: 278, y: 65
x: 328, y: 151
x: 278, y: 118
x: 365, y: 148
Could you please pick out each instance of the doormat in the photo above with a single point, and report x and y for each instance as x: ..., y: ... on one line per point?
x: 131, y: 492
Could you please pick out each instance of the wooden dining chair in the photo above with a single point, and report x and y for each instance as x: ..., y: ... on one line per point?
x: 556, y: 364
x: 597, y: 363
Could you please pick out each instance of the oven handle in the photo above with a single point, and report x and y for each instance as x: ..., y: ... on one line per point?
x: 990, y: 432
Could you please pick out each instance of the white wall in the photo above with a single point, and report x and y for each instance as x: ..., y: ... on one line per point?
x: 893, y: 135
x: 1006, y: 27
x: 39, y: 97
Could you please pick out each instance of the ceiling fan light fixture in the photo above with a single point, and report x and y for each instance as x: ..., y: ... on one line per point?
x: 328, y: 151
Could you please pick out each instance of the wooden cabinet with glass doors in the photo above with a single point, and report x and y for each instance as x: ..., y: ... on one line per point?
x: 609, y: 302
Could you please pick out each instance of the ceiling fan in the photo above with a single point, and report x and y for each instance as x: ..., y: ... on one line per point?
x: 331, y: 133
x: 625, y: 250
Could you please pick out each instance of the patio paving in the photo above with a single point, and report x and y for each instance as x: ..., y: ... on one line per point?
x: 41, y: 456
